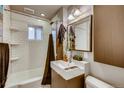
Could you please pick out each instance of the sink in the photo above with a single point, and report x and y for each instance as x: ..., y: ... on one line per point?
x: 66, y: 65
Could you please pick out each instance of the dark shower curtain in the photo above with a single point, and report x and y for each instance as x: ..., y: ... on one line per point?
x: 50, y: 57
x: 4, y: 63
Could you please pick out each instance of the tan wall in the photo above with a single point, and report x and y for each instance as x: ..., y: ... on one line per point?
x: 111, y: 74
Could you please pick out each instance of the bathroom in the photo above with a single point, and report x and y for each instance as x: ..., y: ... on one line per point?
x: 36, y: 60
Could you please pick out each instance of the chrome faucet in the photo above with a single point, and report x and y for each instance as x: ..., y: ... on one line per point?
x: 70, y: 57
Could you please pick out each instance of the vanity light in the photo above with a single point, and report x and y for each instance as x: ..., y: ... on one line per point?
x: 71, y: 17
x: 77, y: 12
x: 42, y: 14
x: 39, y: 20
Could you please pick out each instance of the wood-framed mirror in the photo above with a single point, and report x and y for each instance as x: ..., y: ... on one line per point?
x: 82, y: 35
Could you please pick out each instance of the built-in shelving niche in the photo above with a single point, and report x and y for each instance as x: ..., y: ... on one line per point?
x: 14, y: 43
x: 13, y: 59
x: 14, y: 29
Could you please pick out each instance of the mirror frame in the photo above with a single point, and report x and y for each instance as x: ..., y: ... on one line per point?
x: 90, y: 34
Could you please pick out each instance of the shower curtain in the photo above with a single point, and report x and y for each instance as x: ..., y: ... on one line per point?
x: 4, y: 63
x: 50, y: 57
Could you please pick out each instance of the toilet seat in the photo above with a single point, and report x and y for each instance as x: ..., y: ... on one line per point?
x: 92, y: 82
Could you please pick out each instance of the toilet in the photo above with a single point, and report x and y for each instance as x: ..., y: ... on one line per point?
x: 92, y: 82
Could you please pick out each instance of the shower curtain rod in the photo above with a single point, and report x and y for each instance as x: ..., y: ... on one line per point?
x: 29, y: 15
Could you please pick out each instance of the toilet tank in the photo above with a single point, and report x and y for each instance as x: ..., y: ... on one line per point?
x: 92, y: 82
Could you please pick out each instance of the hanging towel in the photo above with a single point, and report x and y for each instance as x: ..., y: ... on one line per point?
x: 59, y: 46
x: 72, y: 38
x: 4, y: 63
x: 50, y: 57
x: 61, y: 33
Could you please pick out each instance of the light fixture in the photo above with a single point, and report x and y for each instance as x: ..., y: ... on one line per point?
x: 42, y: 14
x: 70, y: 17
x: 77, y: 12
x: 39, y: 20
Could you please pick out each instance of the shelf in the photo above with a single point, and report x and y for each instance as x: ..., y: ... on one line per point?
x: 16, y: 30
x: 14, y: 58
x: 14, y: 44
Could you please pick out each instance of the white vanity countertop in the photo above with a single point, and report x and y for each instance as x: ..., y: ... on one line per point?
x: 67, y: 74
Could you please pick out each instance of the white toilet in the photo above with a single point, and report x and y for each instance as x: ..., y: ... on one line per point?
x: 92, y: 82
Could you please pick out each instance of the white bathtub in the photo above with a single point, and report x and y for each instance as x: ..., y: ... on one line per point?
x: 25, y: 79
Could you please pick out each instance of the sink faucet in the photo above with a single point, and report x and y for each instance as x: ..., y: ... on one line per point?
x: 70, y: 57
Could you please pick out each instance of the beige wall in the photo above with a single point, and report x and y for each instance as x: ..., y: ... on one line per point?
x: 61, y: 18
x: 6, y: 26
x: 57, y: 19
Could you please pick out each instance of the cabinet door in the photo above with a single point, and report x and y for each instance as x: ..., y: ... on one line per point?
x: 109, y: 35
x: 58, y: 81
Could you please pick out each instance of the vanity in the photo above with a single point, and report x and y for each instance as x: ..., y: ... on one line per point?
x: 72, y: 74
x: 68, y: 75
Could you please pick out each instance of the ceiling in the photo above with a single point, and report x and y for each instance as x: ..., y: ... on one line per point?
x: 48, y: 10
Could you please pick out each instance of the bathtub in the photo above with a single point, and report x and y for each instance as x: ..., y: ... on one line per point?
x: 26, y: 79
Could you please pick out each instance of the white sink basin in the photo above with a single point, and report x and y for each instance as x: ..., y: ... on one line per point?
x: 66, y: 65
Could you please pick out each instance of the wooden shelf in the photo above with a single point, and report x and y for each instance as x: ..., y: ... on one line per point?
x: 14, y: 58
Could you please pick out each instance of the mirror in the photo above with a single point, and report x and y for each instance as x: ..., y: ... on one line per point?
x: 82, y: 31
